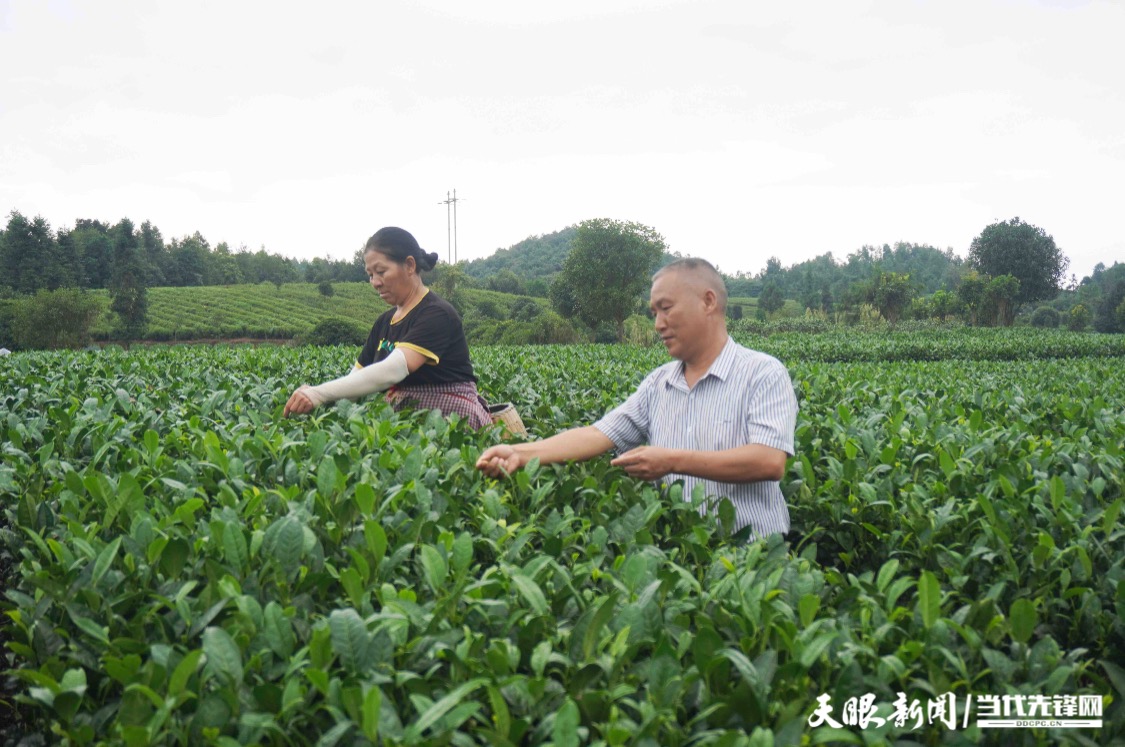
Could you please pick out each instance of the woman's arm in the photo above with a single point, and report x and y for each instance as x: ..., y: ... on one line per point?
x: 376, y: 377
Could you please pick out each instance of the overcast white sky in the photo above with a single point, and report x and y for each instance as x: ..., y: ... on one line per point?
x: 737, y: 129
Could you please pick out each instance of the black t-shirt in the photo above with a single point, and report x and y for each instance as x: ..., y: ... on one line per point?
x: 432, y: 328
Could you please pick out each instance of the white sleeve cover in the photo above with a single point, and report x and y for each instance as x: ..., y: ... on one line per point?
x: 362, y: 381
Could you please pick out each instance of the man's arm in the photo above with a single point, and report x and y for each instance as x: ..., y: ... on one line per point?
x: 577, y: 444
x: 750, y: 463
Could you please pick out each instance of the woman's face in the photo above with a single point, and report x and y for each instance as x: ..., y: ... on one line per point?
x: 393, y: 282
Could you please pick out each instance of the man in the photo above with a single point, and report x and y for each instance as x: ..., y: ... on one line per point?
x: 720, y: 414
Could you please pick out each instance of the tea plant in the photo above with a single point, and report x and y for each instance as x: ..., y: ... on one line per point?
x: 187, y: 567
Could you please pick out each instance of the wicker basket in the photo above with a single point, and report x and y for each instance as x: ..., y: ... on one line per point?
x: 505, y: 414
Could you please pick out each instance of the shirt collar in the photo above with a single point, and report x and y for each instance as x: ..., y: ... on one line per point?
x: 720, y: 367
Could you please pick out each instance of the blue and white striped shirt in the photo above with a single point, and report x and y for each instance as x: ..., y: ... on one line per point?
x: 746, y: 397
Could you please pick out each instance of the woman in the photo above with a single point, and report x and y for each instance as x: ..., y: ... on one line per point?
x: 416, y: 351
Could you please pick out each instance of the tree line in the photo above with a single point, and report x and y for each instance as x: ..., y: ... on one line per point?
x: 595, y: 273
x: 34, y: 257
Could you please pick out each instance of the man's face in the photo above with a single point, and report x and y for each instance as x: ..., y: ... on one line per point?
x: 680, y: 314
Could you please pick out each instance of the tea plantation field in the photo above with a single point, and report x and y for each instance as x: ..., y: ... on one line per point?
x: 262, y: 310
x: 183, y: 567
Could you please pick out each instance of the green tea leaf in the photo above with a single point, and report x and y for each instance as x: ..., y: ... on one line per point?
x: 286, y: 538
x: 1023, y: 620
x: 327, y: 476
x: 376, y: 539
x: 365, y: 498
x: 234, y: 546
x: 441, y: 707
x: 353, y: 586
x: 433, y: 564
x: 1109, y: 520
x: 501, y: 716
x: 886, y: 574
x: 531, y: 592
x: 104, y: 561
x: 372, y: 707
x: 223, y: 655
x: 350, y: 640
x: 277, y: 630
x: 462, y: 554
x: 807, y: 608
x: 1116, y: 676
x: 565, y: 731
x: 929, y: 599
x: 183, y: 672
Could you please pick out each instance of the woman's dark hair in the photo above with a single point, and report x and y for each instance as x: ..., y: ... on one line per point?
x: 398, y: 244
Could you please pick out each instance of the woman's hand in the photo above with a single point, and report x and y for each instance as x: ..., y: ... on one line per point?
x: 300, y: 402
x: 499, y: 460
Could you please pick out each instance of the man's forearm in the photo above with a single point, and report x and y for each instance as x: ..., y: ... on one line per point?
x: 576, y: 445
x: 751, y: 463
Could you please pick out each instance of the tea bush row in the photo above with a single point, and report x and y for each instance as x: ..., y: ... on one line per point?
x: 190, y: 568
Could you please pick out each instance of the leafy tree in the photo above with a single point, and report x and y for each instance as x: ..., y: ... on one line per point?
x: 562, y: 298
x: 735, y: 311
x: 538, y: 287
x: 325, y: 289
x: 507, y: 281
x: 608, y: 269
x: 489, y: 309
x: 971, y: 294
x: 1002, y: 293
x: 524, y: 310
x: 772, y: 269
x: 1106, y: 319
x: 921, y: 307
x: 335, y: 331
x: 127, y: 287
x: 943, y: 304
x: 155, y: 253
x: 449, y: 280
x: 356, y: 269
x: 54, y: 319
x: 29, y: 258
x: 67, y: 269
x: 94, y: 249
x: 1045, y: 317
x: 222, y: 268
x: 771, y: 299
x: 260, y: 266
x: 1023, y: 251
x: 188, y: 260
x: 891, y: 292
x: 1078, y: 318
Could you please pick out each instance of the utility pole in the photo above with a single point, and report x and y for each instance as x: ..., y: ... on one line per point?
x: 451, y: 243
x: 447, y: 202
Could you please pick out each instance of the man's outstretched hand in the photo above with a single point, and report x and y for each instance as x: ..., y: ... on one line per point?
x: 645, y: 462
x: 499, y: 460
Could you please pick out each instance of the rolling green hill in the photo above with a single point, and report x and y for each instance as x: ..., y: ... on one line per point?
x: 533, y: 258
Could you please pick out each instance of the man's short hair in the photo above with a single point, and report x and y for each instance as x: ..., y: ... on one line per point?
x: 704, y: 272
